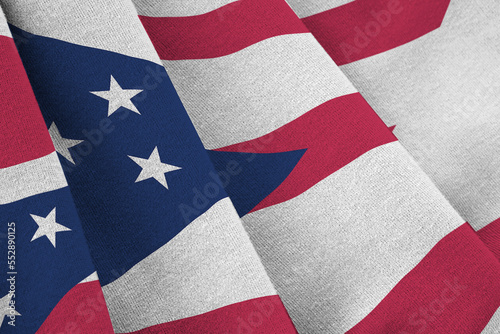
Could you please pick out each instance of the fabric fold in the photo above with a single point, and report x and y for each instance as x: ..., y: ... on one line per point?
x: 166, y: 241
x: 353, y: 225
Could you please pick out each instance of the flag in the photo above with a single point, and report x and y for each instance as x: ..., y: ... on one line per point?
x: 170, y: 251
x: 207, y: 167
x: 49, y: 281
x: 350, y: 199
x: 444, y: 105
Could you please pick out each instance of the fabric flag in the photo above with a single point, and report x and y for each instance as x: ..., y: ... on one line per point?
x: 48, y: 281
x: 353, y: 234
x: 170, y: 250
x: 431, y: 68
x: 207, y: 167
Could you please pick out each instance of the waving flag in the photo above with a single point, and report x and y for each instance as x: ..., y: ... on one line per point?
x: 445, y: 104
x: 134, y: 165
x: 49, y: 281
x: 206, y: 167
x: 350, y: 200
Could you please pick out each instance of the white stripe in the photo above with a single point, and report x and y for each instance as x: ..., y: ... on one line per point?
x: 252, y: 92
x: 493, y: 326
x: 208, y: 265
x: 92, y: 277
x: 176, y: 8
x: 304, y: 8
x: 451, y: 122
x: 334, y: 252
x: 4, y: 28
x: 31, y: 178
x: 111, y: 25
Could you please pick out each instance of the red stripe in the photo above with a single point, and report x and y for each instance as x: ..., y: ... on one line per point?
x: 454, y: 289
x: 490, y: 235
x: 222, y: 31
x: 364, y: 28
x: 334, y: 134
x: 82, y: 310
x: 257, y: 316
x: 23, y: 134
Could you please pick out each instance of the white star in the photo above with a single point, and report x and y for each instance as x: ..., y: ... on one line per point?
x: 118, y: 97
x: 152, y: 167
x: 48, y: 227
x: 5, y: 310
x: 61, y: 144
